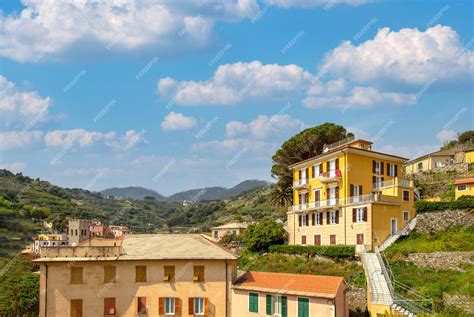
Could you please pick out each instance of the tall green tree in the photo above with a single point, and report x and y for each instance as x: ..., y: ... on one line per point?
x: 306, y: 144
x: 260, y: 236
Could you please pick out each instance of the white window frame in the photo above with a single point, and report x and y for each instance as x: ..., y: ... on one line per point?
x: 360, y: 215
x: 169, y: 305
x: 316, y: 170
x: 464, y: 187
x: 332, y: 217
x: 304, y: 177
x: 276, y: 302
x: 198, y: 306
x: 303, y: 220
x: 318, y: 218
x: 407, y: 213
x: 332, y: 168
x: 391, y: 169
x: 378, y: 167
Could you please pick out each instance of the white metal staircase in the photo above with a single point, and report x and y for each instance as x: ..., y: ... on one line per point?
x: 405, y: 231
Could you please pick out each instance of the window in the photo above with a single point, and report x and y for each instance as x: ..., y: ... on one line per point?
x: 169, y: 305
x: 332, y: 239
x: 76, y: 232
x: 169, y: 274
x: 76, y: 307
x: 109, y: 306
x: 198, y: 306
x: 406, y: 195
x: 378, y: 167
x: 234, y: 232
x: 391, y: 169
x: 317, y: 239
x: 360, y: 239
x: 253, y: 302
x: 198, y: 274
x: 76, y: 275
x: 332, y: 218
x: 304, y: 222
x: 420, y: 165
x: 141, y: 306
x: 359, y: 214
x: 216, y: 234
x: 318, y: 218
x: 140, y: 273
x: 316, y: 170
x: 109, y: 274
x: 406, y: 215
x: 276, y: 305
x: 303, y: 239
x: 462, y: 187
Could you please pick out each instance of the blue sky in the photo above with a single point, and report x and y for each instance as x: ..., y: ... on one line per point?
x: 189, y: 94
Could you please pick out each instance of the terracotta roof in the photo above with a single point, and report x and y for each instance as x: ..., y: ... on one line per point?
x: 464, y: 181
x: 234, y: 225
x: 295, y: 284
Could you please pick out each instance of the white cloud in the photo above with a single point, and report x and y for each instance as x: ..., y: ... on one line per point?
x: 358, y: 97
x: 13, y: 167
x: 229, y: 146
x: 408, y: 151
x: 81, y: 137
x: 233, y: 83
x: 87, y: 171
x: 177, y: 121
x: 19, y: 107
x: 315, y: 3
x: 264, y: 126
x: 51, y: 30
x: 408, y: 56
x: 445, y: 136
x: 18, y: 139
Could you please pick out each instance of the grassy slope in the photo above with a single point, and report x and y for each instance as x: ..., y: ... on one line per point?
x: 428, y: 281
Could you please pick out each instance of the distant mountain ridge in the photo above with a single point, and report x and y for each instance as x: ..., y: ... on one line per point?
x: 198, y: 194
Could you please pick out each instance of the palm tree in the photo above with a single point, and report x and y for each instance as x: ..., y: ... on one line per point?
x: 281, y: 196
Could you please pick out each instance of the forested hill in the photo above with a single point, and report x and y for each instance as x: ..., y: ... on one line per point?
x: 26, y: 202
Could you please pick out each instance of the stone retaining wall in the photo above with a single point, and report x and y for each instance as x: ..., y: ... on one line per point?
x: 431, y: 222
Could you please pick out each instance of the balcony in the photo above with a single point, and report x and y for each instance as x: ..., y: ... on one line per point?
x: 300, y: 183
x: 392, y: 183
x: 330, y: 177
x: 322, y: 204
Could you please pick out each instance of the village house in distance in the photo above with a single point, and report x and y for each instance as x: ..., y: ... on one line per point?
x: 174, y: 275
x: 234, y: 228
x: 349, y: 195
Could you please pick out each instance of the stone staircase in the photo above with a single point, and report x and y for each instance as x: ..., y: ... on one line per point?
x: 405, y: 231
x: 384, y: 290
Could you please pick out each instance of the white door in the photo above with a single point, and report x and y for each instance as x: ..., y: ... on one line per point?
x: 332, y: 168
x: 393, y: 226
x: 332, y: 196
x: 356, y: 193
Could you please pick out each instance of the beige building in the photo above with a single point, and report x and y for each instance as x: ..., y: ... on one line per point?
x: 144, y: 275
x: 430, y: 162
x: 233, y: 228
x: 78, y: 231
x: 349, y: 195
x: 280, y: 294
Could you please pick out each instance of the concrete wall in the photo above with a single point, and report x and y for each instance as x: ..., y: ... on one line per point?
x: 125, y: 290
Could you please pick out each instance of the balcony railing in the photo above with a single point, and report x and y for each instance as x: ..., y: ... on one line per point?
x: 392, y: 182
x: 330, y: 176
x: 300, y: 182
x: 316, y: 204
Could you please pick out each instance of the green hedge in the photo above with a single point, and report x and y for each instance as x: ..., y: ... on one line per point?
x: 464, y: 202
x: 332, y: 251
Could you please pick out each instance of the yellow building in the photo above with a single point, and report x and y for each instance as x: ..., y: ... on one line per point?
x: 464, y: 187
x: 145, y: 275
x: 349, y: 195
x: 281, y: 294
x: 430, y: 162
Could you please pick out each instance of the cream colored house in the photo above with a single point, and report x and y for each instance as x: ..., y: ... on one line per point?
x: 143, y: 275
x: 430, y: 162
x: 281, y: 294
x: 349, y: 195
x: 234, y: 228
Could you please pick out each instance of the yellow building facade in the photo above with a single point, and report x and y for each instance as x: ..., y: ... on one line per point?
x: 349, y: 195
x: 464, y: 187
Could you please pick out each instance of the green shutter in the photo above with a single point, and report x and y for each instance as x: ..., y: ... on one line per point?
x: 253, y: 302
x: 284, y: 309
x: 303, y: 307
x: 269, y: 305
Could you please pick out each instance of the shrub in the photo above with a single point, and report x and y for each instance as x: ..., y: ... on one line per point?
x: 332, y: 251
x: 259, y: 236
x: 464, y: 202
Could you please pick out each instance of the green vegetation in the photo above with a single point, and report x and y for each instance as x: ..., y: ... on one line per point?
x: 306, y: 144
x: 464, y: 202
x: 332, y: 251
x: 276, y: 262
x: 456, y: 239
x: 260, y: 236
x: 466, y: 138
x: 19, y: 287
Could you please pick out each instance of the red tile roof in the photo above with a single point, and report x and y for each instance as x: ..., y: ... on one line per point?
x: 464, y: 181
x: 295, y: 284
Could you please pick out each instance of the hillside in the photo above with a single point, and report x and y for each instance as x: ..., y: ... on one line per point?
x: 133, y: 192
x: 194, y: 195
x: 26, y: 202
